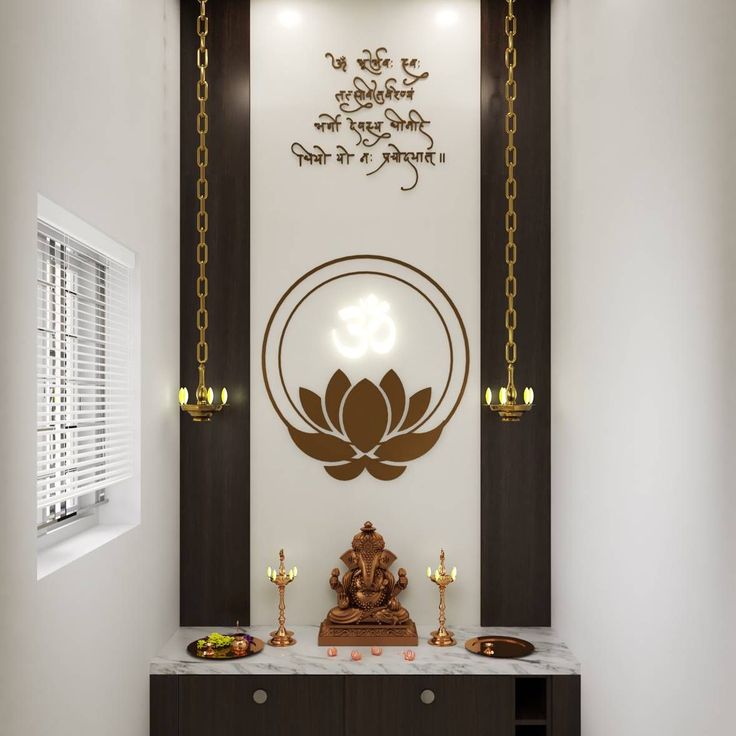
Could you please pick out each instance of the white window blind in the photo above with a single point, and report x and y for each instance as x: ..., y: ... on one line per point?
x: 84, y: 374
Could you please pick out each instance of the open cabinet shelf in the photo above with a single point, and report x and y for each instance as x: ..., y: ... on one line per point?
x: 531, y: 706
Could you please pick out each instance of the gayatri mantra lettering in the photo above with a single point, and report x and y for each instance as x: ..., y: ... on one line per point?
x: 318, y: 156
x: 383, y: 139
x: 410, y: 158
x: 373, y: 129
x: 367, y: 93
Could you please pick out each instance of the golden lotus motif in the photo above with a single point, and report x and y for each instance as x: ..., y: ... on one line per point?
x: 369, y: 426
x: 365, y: 427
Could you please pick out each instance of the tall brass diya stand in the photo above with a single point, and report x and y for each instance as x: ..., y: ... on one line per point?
x: 441, y: 578
x: 368, y: 611
x: 281, y: 578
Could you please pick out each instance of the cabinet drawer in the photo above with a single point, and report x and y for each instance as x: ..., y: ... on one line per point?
x: 418, y: 705
x: 252, y: 705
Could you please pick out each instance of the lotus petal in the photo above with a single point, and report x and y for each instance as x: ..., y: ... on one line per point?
x: 365, y: 415
x: 394, y: 390
x: 347, y: 471
x: 409, y: 446
x: 313, y: 408
x: 324, y: 447
x: 336, y: 389
x: 418, y: 404
x: 381, y: 471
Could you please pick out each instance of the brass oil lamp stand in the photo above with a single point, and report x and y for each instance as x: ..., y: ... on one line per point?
x: 281, y: 578
x: 441, y: 578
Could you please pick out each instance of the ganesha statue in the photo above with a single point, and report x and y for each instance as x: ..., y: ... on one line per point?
x: 368, y: 611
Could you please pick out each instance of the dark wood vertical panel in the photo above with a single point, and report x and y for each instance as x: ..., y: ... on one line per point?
x: 164, y: 705
x: 215, y: 468
x: 565, y: 705
x: 515, y: 458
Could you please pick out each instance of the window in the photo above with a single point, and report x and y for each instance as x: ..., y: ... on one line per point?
x: 84, y: 369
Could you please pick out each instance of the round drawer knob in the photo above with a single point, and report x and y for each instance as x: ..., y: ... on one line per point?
x: 427, y: 697
x: 260, y: 696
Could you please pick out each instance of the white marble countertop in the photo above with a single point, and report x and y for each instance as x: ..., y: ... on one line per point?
x: 551, y: 656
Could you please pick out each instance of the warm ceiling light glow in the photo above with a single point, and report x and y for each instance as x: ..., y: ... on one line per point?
x: 446, y: 17
x: 290, y: 18
x: 369, y: 326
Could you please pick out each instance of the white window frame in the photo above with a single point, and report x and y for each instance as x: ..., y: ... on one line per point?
x: 106, y: 514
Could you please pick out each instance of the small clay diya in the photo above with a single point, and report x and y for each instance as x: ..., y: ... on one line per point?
x: 332, y: 652
x: 409, y: 655
x: 355, y: 655
x: 376, y: 651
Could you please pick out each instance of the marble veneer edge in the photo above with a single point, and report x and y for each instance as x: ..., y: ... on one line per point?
x: 551, y: 656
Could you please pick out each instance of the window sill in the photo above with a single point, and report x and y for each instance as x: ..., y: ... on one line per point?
x: 56, y: 556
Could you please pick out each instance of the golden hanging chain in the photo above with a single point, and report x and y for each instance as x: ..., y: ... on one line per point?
x: 202, y: 185
x: 510, y: 221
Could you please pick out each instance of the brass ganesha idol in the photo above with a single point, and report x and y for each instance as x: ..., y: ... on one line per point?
x: 368, y: 611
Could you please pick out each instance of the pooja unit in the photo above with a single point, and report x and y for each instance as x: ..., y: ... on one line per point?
x: 302, y: 691
x: 298, y: 689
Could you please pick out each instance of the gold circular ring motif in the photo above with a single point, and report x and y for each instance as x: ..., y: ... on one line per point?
x: 392, y: 470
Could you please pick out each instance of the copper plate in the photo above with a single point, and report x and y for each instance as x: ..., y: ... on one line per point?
x: 499, y: 647
x: 226, y: 652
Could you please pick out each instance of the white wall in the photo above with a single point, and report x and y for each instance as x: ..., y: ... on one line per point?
x: 643, y: 360
x: 90, y: 115
x: 301, y: 218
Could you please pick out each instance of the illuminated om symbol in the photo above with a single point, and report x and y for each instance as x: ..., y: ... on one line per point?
x: 369, y: 327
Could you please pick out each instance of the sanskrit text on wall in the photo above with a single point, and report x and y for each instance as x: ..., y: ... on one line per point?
x: 375, y: 122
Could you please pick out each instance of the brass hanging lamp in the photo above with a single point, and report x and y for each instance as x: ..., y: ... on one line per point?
x: 506, y: 406
x: 205, y: 406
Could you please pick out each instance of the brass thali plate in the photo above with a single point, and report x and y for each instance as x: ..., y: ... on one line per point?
x: 226, y: 652
x: 499, y: 647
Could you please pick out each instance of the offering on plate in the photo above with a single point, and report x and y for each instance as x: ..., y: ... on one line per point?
x: 225, y: 646
x: 214, y: 642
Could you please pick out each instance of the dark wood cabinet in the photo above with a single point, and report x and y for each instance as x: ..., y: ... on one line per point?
x: 271, y: 705
x: 429, y: 706
x: 365, y: 705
